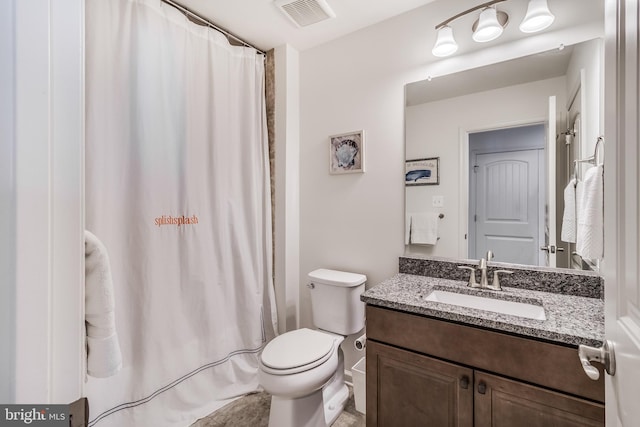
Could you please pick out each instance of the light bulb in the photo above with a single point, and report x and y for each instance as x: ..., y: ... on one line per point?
x: 538, y: 17
x: 445, y: 43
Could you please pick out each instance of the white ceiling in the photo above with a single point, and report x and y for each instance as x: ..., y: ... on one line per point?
x: 261, y: 23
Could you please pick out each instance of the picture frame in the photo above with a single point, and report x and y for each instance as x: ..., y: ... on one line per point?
x: 346, y: 153
x: 422, y: 172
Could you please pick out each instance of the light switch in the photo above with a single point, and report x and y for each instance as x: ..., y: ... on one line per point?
x: 437, y: 201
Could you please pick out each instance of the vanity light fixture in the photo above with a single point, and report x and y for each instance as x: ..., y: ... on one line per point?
x: 538, y: 17
x: 491, y: 24
x: 445, y: 43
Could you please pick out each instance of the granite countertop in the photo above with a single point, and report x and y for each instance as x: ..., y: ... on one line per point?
x: 570, y: 320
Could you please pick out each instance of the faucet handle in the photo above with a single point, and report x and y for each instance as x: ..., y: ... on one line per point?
x: 495, y: 284
x: 472, y: 276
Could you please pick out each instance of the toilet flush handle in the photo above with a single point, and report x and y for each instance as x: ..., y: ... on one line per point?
x: 310, y: 285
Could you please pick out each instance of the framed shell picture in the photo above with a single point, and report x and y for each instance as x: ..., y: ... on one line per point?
x: 422, y: 172
x: 346, y: 153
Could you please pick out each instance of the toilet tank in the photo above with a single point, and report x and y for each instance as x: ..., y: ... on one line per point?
x: 335, y: 300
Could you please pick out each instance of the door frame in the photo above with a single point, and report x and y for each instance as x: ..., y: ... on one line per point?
x: 463, y: 193
x: 43, y: 52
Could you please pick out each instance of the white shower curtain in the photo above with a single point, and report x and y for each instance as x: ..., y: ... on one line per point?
x: 177, y: 189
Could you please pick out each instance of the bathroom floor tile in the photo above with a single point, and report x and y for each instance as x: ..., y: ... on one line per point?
x: 253, y: 410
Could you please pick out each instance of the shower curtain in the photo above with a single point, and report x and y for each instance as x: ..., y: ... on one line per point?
x: 177, y: 189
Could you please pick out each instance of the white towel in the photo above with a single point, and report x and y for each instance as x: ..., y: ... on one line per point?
x: 424, y: 228
x: 568, y: 233
x: 104, y: 358
x: 590, y: 208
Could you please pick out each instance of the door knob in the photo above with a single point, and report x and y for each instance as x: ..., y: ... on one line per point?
x: 482, y: 387
x: 464, y: 382
x: 604, y: 355
x: 551, y: 249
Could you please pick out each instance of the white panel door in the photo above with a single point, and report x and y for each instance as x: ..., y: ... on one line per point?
x: 622, y: 214
x: 507, y: 206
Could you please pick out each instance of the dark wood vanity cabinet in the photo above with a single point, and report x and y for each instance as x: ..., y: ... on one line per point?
x: 411, y: 388
x: 427, y: 372
x: 503, y: 402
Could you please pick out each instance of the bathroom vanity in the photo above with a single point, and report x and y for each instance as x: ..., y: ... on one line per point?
x: 433, y: 363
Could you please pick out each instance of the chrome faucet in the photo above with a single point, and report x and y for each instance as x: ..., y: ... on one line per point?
x: 472, y: 276
x: 482, y: 266
x: 484, y: 282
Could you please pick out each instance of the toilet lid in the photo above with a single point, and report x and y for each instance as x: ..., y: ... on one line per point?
x: 297, y: 348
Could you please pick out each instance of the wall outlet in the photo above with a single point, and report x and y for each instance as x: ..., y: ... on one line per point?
x: 437, y: 201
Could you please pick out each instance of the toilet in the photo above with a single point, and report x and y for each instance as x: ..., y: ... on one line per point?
x: 303, y: 369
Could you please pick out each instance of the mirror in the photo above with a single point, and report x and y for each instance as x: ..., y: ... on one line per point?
x: 499, y: 115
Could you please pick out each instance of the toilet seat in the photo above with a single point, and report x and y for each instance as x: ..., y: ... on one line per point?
x: 297, y: 351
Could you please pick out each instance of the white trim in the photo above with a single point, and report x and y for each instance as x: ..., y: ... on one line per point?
x: 33, y: 232
x: 463, y: 194
x: 67, y: 199
x: 7, y: 203
x: 49, y: 138
x: 287, y: 192
x: 542, y: 198
x: 622, y: 192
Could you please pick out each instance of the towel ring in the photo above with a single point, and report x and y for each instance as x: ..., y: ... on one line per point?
x: 594, y: 160
x: 596, y: 152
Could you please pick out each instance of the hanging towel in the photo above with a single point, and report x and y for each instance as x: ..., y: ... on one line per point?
x: 590, y: 230
x: 569, y: 226
x: 424, y: 228
x: 103, y: 350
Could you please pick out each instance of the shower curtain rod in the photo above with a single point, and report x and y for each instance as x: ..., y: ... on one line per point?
x: 210, y: 24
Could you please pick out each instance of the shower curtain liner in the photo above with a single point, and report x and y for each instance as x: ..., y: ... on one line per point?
x: 177, y: 189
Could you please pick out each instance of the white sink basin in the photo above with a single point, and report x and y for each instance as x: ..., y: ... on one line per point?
x: 513, y: 308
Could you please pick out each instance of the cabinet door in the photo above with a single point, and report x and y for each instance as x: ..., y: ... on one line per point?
x: 500, y: 402
x: 408, y: 389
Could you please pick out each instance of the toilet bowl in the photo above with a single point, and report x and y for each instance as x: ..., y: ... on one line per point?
x: 296, y: 369
x: 303, y: 369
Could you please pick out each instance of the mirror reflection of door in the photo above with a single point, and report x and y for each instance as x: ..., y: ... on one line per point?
x: 506, y: 210
x: 441, y: 113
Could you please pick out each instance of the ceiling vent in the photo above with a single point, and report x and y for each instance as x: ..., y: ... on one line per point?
x: 305, y: 12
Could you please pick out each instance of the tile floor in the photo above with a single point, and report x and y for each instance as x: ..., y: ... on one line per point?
x: 253, y: 411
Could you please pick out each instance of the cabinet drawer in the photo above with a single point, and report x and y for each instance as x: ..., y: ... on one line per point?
x: 549, y: 365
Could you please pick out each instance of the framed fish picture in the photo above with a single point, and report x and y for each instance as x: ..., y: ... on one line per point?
x: 346, y: 153
x: 422, y: 172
